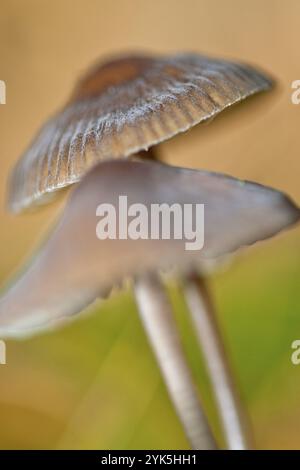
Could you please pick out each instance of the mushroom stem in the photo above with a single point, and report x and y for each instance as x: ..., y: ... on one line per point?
x: 157, y: 317
x: 206, y: 328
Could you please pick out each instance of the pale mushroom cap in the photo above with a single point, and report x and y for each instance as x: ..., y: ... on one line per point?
x: 74, y: 266
x: 125, y: 106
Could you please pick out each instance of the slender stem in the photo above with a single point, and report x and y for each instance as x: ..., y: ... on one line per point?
x: 157, y: 317
x: 210, y: 340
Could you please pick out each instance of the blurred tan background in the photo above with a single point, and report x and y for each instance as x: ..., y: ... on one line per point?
x: 94, y: 384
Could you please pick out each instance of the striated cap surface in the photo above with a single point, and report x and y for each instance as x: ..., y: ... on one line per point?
x: 122, y: 107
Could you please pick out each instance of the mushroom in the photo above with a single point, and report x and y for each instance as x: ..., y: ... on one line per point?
x: 120, y: 109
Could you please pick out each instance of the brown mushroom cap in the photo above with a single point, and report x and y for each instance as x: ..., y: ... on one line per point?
x: 122, y: 107
x: 74, y: 266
